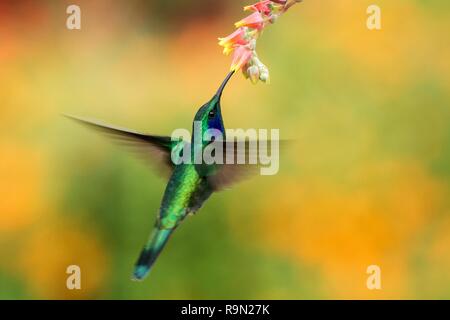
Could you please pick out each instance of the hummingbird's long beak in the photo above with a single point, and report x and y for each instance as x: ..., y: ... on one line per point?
x: 224, y: 84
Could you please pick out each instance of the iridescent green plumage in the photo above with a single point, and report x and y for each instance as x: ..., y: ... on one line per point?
x: 189, y: 186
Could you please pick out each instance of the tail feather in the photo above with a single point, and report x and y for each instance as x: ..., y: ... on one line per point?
x: 150, y: 253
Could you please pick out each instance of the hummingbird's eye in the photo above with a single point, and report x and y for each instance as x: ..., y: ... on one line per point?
x: 212, y: 113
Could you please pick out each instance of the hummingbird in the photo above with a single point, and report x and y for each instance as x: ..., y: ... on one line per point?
x: 189, y: 185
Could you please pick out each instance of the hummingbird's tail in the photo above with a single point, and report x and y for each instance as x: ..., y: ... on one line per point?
x: 151, y: 251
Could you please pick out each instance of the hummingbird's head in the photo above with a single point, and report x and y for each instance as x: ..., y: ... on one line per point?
x: 210, y: 114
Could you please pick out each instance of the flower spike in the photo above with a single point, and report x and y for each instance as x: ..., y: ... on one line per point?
x: 242, y: 42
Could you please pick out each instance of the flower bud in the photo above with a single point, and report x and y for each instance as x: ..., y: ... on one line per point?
x: 264, y: 75
x: 253, y: 73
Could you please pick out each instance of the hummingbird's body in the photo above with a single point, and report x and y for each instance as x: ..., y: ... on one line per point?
x: 190, y: 184
x: 185, y: 193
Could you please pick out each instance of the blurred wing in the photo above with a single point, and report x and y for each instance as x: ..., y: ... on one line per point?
x: 229, y: 174
x: 154, y: 149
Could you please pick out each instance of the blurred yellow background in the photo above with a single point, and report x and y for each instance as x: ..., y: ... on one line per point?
x: 366, y: 181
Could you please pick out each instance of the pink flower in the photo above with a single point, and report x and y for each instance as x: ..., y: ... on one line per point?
x: 242, y: 42
x: 241, y: 57
x: 233, y: 40
x: 263, y: 7
x: 254, y: 21
x: 267, y: 7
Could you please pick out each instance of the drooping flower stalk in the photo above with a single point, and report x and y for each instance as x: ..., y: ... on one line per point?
x: 242, y: 42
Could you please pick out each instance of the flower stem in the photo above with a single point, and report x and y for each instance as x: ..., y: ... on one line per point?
x: 290, y: 4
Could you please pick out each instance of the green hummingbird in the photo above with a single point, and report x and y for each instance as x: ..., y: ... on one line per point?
x: 190, y: 184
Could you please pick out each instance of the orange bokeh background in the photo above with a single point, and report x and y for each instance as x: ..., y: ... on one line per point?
x: 365, y: 182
